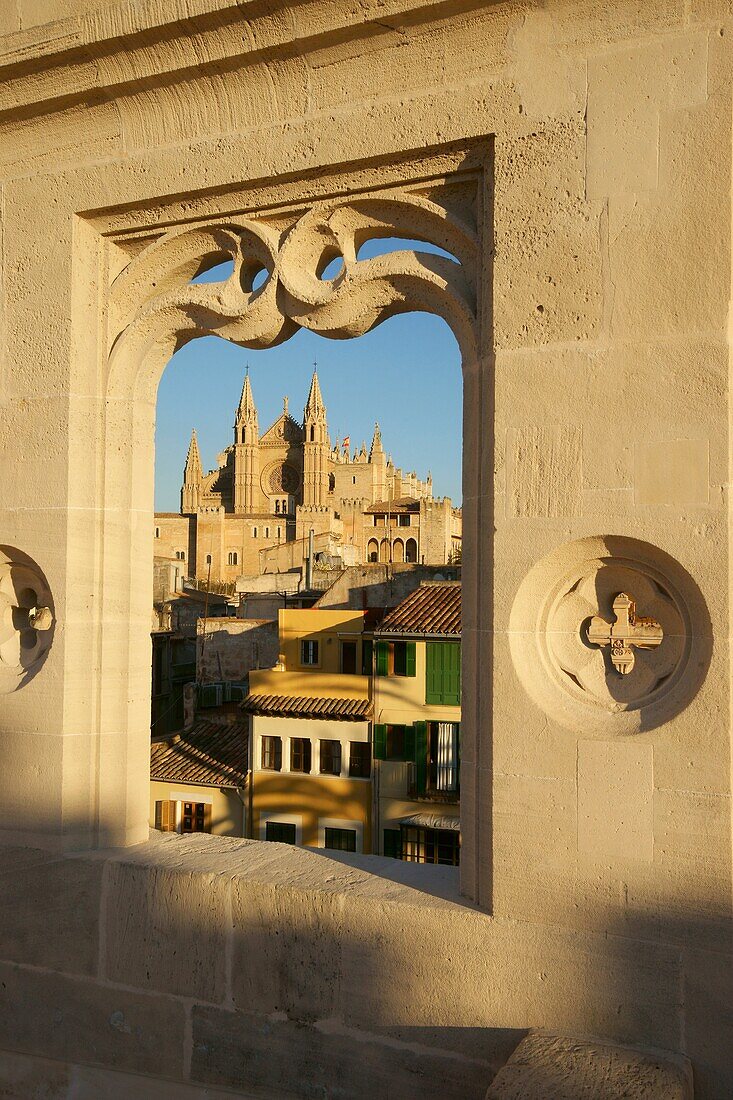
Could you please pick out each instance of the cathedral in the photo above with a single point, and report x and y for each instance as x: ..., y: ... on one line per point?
x: 254, y: 513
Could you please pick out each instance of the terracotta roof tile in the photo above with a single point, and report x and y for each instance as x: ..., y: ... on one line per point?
x: 433, y: 608
x: 209, y: 753
x: 307, y: 706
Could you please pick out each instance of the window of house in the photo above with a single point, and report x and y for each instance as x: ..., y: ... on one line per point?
x: 330, y: 758
x: 309, y: 653
x: 267, y: 532
x: 353, y: 481
x: 443, y: 743
x: 393, y: 843
x: 233, y: 560
x: 196, y: 817
x: 281, y: 831
x: 360, y: 760
x: 208, y: 559
x: 348, y: 658
x: 254, y: 532
x: 431, y: 846
x: 393, y: 742
x: 272, y: 753
x: 300, y: 754
x: 279, y: 532
x: 443, y: 673
x: 157, y: 532
x: 396, y: 658
x: 404, y: 520
x: 341, y: 840
x: 181, y: 555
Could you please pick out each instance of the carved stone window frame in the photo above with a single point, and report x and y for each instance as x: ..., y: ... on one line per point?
x: 143, y: 259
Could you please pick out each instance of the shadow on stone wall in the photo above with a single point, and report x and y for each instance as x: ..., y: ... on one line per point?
x: 279, y: 972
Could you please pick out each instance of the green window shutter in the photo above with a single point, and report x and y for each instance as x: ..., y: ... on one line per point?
x: 409, y: 735
x: 380, y: 742
x: 366, y: 657
x: 452, y: 676
x: 433, y: 673
x: 410, y: 660
x: 421, y: 756
x: 443, y: 673
x: 382, y: 658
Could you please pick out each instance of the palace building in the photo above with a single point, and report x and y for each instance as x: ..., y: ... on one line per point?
x: 254, y: 512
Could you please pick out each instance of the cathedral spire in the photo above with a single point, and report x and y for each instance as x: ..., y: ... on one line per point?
x: 247, y: 411
x: 192, y: 476
x: 315, y: 409
x: 376, y: 447
x: 193, y: 459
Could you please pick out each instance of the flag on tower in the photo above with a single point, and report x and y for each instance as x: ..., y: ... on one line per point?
x: 347, y: 442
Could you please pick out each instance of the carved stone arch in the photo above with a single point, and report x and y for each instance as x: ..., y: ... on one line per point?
x: 152, y: 309
x: 156, y: 309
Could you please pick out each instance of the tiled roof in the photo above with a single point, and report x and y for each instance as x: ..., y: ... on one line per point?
x: 209, y: 753
x: 307, y: 706
x: 433, y: 608
x: 401, y: 504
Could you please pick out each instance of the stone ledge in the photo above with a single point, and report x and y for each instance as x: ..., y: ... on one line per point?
x: 557, y: 1066
x: 191, y: 957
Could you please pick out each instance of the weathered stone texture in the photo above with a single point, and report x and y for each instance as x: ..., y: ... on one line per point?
x: 576, y: 155
x: 569, y: 1069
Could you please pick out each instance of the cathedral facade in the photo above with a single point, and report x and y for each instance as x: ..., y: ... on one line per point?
x: 254, y: 512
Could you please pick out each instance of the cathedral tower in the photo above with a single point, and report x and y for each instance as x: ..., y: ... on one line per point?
x: 315, y: 448
x: 192, y: 475
x: 246, y: 453
x: 378, y: 462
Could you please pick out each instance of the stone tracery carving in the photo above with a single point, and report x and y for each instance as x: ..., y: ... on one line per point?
x: 153, y: 298
x: 26, y: 619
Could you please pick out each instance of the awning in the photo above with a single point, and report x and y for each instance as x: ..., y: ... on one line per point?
x: 432, y: 821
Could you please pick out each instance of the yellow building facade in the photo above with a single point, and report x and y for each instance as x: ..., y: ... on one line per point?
x: 310, y: 734
x: 416, y: 696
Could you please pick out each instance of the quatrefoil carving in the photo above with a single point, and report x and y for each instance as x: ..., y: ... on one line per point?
x: 26, y: 619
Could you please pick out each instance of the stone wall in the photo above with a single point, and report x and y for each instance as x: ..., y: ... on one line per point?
x: 229, y: 648
x: 226, y: 964
x: 575, y: 158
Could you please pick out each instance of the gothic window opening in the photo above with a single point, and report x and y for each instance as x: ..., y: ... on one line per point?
x: 275, y: 464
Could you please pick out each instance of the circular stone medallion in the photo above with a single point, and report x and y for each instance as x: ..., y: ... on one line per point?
x: 26, y: 619
x: 610, y: 634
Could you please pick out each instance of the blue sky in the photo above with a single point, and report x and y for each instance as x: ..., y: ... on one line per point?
x: 405, y: 373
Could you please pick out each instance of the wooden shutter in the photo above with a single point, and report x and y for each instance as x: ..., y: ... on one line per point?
x: 382, y: 658
x: 443, y: 673
x: 433, y: 673
x: 452, y: 674
x: 410, y: 659
x: 380, y: 742
x: 366, y: 657
x: 420, y: 735
x: 207, y: 817
x: 165, y: 815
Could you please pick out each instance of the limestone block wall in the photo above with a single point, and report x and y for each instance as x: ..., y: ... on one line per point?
x: 575, y: 158
x: 228, y: 648
x: 157, y: 970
